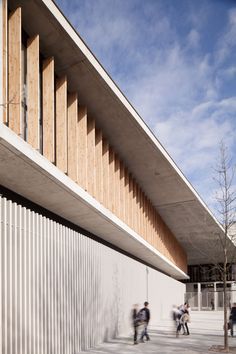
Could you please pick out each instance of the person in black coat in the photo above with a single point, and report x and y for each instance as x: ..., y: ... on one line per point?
x: 232, y: 318
x: 144, y: 318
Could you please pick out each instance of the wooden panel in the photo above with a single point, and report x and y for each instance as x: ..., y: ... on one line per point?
x: 48, y: 114
x: 99, y: 165
x: 122, y: 191
x: 15, y: 71
x: 91, y: 156
x: 134, y: 206
x: 72, y: 117
x: 117, y: 186
x: 61, y: 123
x: 143, y: 216
x: 146, y: 220
x: 152, y: 225
x: 138, y: 207
x: 105, y: 170
x: 127, y: 197
x: 33, y: 91
x: 5, y: 61
x: 149, y: 224
x: 82, y: 147
x: 111, y: 180
x: 139, y: 210
x: 131, y: 204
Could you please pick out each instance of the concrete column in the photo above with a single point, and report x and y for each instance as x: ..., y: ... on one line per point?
x: 199, y: 297
x: 233, y: 293
x: 215, y: 297
x: 147, y: 271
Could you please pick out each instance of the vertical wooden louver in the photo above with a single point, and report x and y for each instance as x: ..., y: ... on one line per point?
x: 111, y: 179
x: 122, y: 191
x: 91, y: 185
x: 61, y: 123
x: 117, y: 201
x: 73, y: 136
x: 105, y: 168
x: 82, y: 147
x: 33, y: 91
x: 48, y: 112
x: 15, y: 88
x: 98, y: 165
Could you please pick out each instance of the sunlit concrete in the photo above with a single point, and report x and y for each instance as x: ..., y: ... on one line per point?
x: 206, y: 330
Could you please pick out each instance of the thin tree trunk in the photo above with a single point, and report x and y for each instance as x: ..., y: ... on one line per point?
x: 226, y: 342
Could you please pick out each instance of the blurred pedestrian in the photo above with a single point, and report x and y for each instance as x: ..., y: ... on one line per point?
x: 232, y: 318
x: 144, y: 318
x: 135, y: 321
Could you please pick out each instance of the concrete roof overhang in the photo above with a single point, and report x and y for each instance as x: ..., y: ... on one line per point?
x: 172, y: 195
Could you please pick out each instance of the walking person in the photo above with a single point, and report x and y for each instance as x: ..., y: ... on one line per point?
x: 135, y: 321
x: 144, y: 317
x: 183, y: 319
x: 232, y: 318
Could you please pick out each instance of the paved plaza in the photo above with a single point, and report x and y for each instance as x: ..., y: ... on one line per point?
x: 206, y: 330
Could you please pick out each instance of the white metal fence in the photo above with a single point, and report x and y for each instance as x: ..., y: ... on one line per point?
x: 210, y: 300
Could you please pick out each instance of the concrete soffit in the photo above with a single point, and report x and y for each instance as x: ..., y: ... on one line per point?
x: 26, y: 172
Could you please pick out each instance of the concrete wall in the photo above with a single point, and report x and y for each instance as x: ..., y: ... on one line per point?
x: 63, y: 292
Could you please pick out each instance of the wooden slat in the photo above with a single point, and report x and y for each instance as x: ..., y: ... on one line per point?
x: 146, y: 221
x: 142, y: 216
x: 117, y: 186
x: 5, y: 61
x: 105, y: 170
x: 131, y: 203
x: 15, y: 71
x: 134, y: 205
x: 149, y: 225
x: 61, y: 123
x: 139, y: 210
x: 91, y: 156
x: 122, y: 191
x: 72, y: 117
x: 126, y: 196
x: 111, y: 180
x: 152, y: 226
x: 99, y: 165
x: 48, y: 112
x: 33, y: 91
x: 82, y: 146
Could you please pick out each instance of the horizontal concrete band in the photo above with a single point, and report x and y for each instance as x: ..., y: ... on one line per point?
x: 44, y: 184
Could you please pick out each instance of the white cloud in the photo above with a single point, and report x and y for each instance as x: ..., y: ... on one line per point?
x: 227, y: 41
x: 193, y: 38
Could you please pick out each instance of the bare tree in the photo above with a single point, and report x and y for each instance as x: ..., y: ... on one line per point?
x: 226, y: 213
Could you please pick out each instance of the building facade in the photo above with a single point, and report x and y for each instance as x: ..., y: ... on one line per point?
x: 95, y: 216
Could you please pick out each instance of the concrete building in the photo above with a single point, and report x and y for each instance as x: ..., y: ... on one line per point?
x: 95, y: 215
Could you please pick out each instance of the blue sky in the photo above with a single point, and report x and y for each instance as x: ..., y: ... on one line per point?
x: 175, y: 60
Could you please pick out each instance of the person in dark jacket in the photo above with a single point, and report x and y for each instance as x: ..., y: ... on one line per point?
x: 183, y: 319
x: 135, y: 321
x: 232, y: 318
x: 144, y: 318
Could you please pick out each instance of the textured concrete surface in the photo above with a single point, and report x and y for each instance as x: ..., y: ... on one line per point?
x: 206, y: 330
